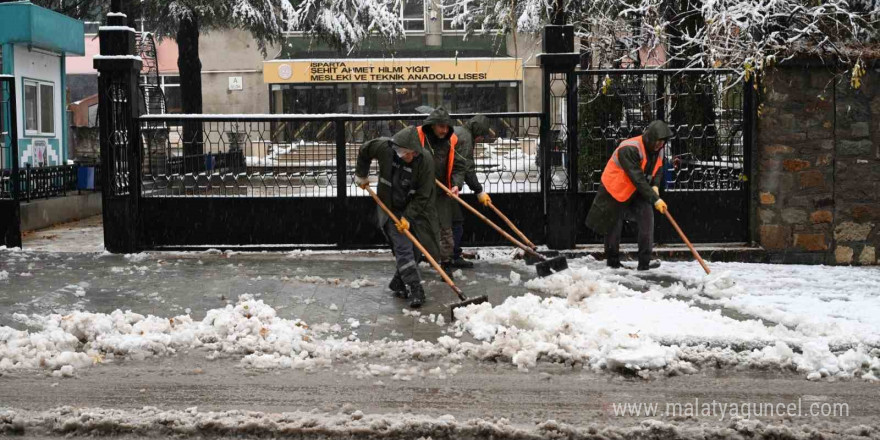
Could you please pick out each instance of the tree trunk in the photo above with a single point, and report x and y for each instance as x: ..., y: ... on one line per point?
x: 190, y: 68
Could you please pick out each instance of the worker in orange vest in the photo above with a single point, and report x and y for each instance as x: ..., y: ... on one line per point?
x: 630, y: 187
x: 437, y: 138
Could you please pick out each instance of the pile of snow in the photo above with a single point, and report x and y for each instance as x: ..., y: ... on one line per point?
x: 82, y: 338
x: 607, y: 325
x: 4, y: 275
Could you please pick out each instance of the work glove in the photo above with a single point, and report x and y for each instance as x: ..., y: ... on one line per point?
x: 660, y: 206
x: 403, y: 225
x: 362, y: 182
x: 454, y: 190
x: 656, y: 190
x: 484, y: 198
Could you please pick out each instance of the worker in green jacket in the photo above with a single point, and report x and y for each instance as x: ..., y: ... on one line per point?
x: 473, y: 131
x: 436, y: 137
x: 406, y: 186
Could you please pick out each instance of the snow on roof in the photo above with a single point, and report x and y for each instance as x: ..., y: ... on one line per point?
x: 116, y: 28
x: 117, y: 57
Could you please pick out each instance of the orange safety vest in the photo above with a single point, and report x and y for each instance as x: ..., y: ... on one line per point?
x: 449, y: 160
x: 614, y: 177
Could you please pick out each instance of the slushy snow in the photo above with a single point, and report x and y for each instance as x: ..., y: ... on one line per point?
x: 353, y: 423
x: 818, y: 321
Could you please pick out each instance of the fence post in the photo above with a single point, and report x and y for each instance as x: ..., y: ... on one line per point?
x: 750, y: 121
x: 560, y: 206
x: 341, y: 161
x: 13, y: 141
x: 10, y: 217
x: 27, y: 182
x: 118, y: 69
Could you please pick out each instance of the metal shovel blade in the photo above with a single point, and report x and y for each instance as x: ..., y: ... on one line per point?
x: 475, y: 300
x: 531, y: 260
x: 551, y: 266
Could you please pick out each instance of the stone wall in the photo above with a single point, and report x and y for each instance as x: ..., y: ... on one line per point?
x: 817, y: 167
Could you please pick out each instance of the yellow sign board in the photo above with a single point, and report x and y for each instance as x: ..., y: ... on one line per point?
x: 392, y: 70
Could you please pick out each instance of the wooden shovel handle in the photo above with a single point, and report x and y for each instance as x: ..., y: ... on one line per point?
x: 413, y: 239
x: 512, y: 226
x: 687, y: 242
x: 489, y: 222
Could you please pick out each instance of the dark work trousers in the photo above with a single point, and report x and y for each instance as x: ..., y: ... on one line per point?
x: 642, y: 212
x: 404, y: 253
x: 457, y: 233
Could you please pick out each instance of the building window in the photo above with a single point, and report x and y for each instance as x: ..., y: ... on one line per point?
x: 413, y: 14
x: 448, y: 26
x: 39, y: 108
x: 171, y: 89
x: 473, y: 9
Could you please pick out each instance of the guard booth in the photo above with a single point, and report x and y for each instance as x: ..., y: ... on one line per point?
x: 33, y: 119
x: 34, y: 44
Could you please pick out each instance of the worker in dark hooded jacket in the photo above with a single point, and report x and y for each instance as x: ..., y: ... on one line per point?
x: 406, y: 186
x: 473, y: 131
x: 630, y: 185
x: 436, y: 137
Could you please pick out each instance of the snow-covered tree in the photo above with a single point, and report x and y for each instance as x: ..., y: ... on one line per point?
x: 744, y: 34
x: 344, y: 23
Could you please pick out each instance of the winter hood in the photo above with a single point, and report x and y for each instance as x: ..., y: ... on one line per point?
x: 478, y: 126
x: 657, y: 130
x: 438, y: 116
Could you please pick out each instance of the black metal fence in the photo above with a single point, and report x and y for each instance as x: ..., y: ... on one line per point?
x: 703, y: 107
x: 307, y: 156
x: 705, y: 173
x: 262, y: 180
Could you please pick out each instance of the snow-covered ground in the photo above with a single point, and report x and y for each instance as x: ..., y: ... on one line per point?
x: 153, y: 422
x: 821, y: 322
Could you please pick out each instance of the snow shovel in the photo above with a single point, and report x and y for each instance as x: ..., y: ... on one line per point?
x: 687, y: 242
x: 546, y: 266
x: 464, y: 301
x: 530, y: 260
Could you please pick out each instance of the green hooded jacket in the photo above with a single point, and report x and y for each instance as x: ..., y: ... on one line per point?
x: 438, y: 149
x: 420, y: 208
x: 605, y: 210
x: 473, y: 128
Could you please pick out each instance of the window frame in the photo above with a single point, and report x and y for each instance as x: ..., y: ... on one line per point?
x: 164, y: 86
x: 446, y: 26
x: 424, y: 19
x: 38, y: 85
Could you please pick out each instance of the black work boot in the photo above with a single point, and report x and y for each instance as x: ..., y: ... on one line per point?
x: 613, y: 263
x: 398, y: 287
x: 416, y: 295
x: 461, y: 263
x: 648, y: 265
x: 447, y: 267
